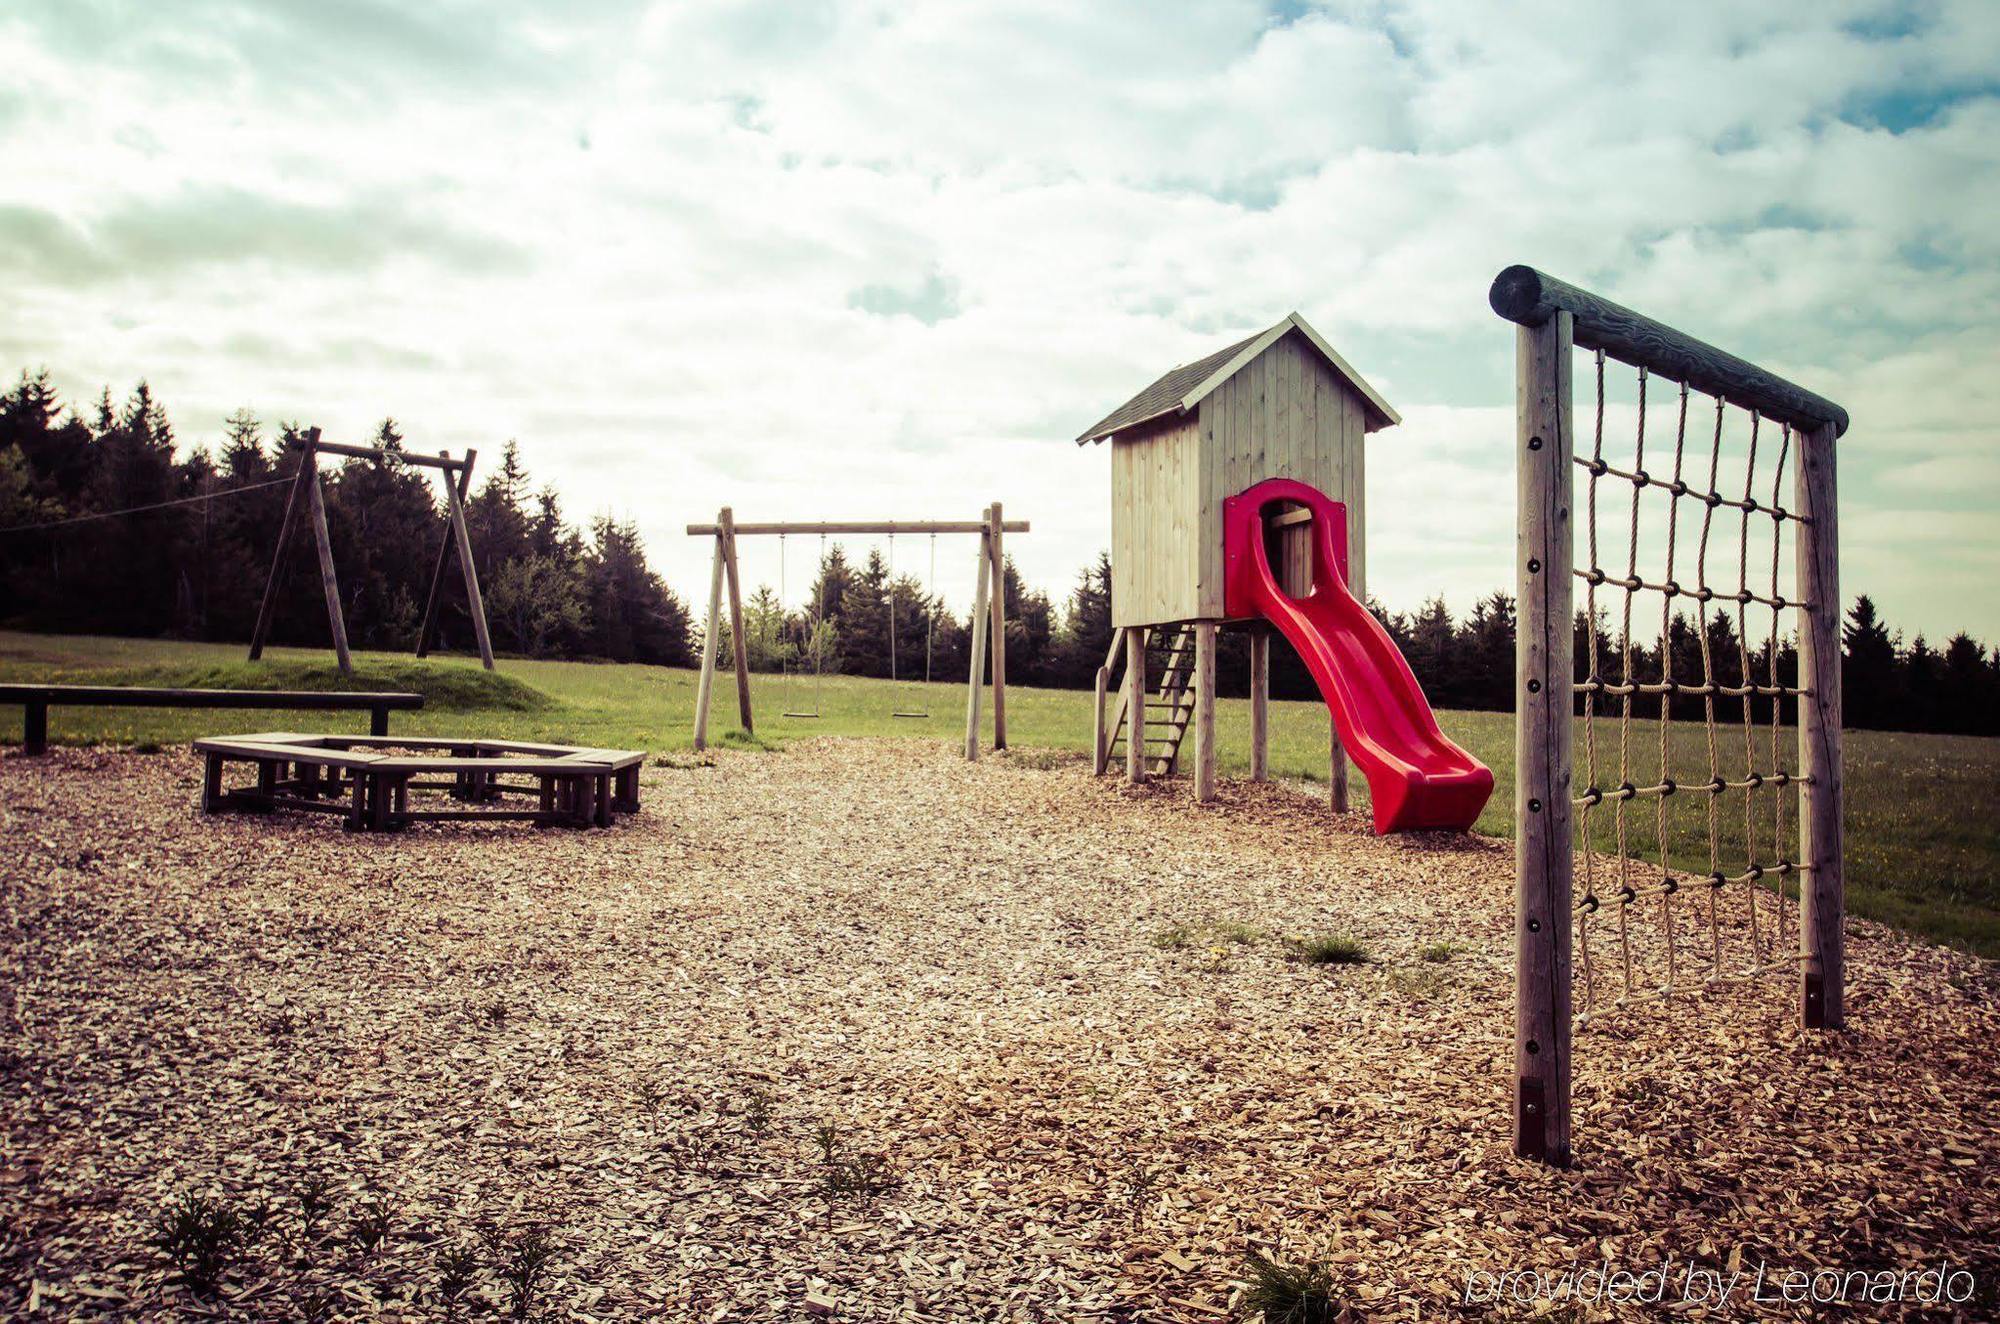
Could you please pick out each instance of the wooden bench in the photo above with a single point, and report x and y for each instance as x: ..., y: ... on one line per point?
x: 36, y: 700
x: 372, y: 777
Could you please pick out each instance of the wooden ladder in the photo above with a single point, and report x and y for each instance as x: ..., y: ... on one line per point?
x: 1170, y: 703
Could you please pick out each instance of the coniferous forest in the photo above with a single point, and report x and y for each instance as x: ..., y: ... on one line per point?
x: 109, y: 524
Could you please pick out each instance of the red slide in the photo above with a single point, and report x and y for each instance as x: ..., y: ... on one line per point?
x: 1417, y: 778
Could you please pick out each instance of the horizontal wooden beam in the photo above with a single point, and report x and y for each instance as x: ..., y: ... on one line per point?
x: 138, y: 696
x: 883, y: 527
x: 1524, y: 295
x: 381, y: 456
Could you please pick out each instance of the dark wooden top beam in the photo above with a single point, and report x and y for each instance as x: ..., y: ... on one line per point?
x: 1524, y: 295
x: 380, y: 456
x: 861, y: 526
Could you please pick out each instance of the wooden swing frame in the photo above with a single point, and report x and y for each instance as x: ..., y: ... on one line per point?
x: 306, y: 487
x: 989, y: 614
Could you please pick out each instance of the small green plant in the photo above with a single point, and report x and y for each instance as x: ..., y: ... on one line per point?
x: 1238, y: 932
x: 846, y: 1173
x: 371, y: 1226
x: 1439, y: 952
x: 457, y: 1266
x: 649, y: 1096
x: 315, y: 1196
x: 495, y: 1012
x: 526, y: 1269
x: 1174, y: 938
x: 199, y: 1236
x: 1291, y: 1293
x: 147, y: 747
x: 1329, y: 949
x: 316, y: 1307
x: 758, y: 1106
x: 1140, y: 1187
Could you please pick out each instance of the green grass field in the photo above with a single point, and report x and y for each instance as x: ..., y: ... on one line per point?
x: 1923, y: 812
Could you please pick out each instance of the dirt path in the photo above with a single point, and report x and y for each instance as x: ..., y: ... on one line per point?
x: 1053, y: 1020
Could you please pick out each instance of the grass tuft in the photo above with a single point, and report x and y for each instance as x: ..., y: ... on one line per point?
x: 1439, y: 951
x: 1293, y: 1293
x: 448, y: 689
x: 1329, y: 949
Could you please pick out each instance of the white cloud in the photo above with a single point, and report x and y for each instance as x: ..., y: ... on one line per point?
x: 634, y: 236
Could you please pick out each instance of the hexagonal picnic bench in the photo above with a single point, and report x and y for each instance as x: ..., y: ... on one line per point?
x: 368, y: 779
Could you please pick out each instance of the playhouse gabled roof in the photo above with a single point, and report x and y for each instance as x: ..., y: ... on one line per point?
x: 1182, y: 388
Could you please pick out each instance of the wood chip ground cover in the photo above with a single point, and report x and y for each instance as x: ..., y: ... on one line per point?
x: 1043, y: 1027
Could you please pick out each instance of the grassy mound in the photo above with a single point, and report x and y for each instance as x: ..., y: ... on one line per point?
x: 446, y: 687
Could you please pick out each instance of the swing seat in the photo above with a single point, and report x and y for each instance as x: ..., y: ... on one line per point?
x: 813, y: 716
x: 904, y: 714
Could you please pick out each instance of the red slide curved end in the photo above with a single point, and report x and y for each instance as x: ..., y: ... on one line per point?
x: 1417, y: 778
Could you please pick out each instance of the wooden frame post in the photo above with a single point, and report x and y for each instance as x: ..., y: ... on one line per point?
x: 999, y: 639
x: 464, y: 480
x: 1100, y: 739
x: 706, y: 685
x: 1336, y: 769
x: 475, y: 604
x: 1204, y: 711
x: 329, y: 582
x: 1135, y: 704
x: 1260, y: 705
x: 1542, y: 740
x: 738, y: 645
x: 978, y: 668
x: 1822, y: 891
x: 308, y: 463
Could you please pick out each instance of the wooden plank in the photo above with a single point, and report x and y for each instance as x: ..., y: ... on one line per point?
x: 1823, y: 890
x: 977, y: 677
x: 707, y: 683
x: 268, y: 606
x: 160, y: 696
x: 328, y: 582
x: 1542, y: 856
x: 998, y: 642
x: 1260, y: 705
x: 1135, y: 705
x: 738, y: 644
x: 463, y: 483
x: 474, y: 603
x: 1204, y: 711
x: 1522, y: 294
x: 1100, y: 742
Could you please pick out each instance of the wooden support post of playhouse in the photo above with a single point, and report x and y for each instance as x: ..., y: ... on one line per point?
x: 1545, y: 698
x: 266, y: 608
x: 462, y: 481
x: 327, y: 580
x: 1204, y: 711
x: 999, y: 639
x: 1135, y: 704
x: 739, y: 645
x: 706, y: 685
x: 1336, y: 771
x: 978, y: 667
x: 1100, y: 739
x: 474, y: 604
x: 1260, y: 705
x: 1822, y: 890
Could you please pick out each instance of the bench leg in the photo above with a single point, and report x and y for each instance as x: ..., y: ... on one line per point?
x: 357, y: 805
x: 378, y: 721
x: 267, y: 781
x: 601, y: 788
x: 546, y: 802
x: 35, y: 729
x: 379, y: 792
x: 211, y: 784
x: 626, y: 792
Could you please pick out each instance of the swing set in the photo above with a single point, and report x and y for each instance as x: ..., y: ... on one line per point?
x: 799, y: 642
x: 989, y: 623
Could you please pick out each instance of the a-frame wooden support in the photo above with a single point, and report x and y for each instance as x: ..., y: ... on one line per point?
x: 457, y: 487
x: 306, y: 490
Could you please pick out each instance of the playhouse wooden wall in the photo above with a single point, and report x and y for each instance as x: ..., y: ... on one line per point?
x: 1285, y: 415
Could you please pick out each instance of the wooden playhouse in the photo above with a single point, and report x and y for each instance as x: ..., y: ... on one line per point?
x: 1280, y: 404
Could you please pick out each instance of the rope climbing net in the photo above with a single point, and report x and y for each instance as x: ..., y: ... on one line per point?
x: 1667, y: 837
x: 1720, y: 909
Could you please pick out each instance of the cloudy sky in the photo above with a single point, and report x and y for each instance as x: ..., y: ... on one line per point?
x: 819, y: 259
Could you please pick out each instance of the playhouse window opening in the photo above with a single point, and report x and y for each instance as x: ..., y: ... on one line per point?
x: 1288, y: 541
